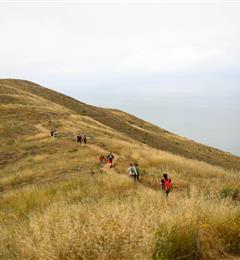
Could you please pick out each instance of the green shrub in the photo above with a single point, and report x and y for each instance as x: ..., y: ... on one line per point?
x: 179, y: 241
x: 230, y: 192
x: 212, y: 237
x: 229, y: 234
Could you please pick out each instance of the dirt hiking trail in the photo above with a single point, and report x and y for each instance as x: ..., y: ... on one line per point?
x: 43, y: 129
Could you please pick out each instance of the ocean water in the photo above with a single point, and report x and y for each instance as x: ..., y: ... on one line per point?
x: 209, y: 115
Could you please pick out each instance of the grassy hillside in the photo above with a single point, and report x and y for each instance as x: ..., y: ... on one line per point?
x: 133, y: 127
x: 57, y: 203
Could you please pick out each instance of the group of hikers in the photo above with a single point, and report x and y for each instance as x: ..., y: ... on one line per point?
x: 109, y: 158
x: 133, y: 170
x: 82, y: 139
x: 166, y: 183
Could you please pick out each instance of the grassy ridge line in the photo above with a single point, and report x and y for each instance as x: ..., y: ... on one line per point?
x: 121, y: 122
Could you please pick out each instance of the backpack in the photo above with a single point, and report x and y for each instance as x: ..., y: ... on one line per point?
x: 110, y: 156
x: 168, y: 184
x: 133, y: 171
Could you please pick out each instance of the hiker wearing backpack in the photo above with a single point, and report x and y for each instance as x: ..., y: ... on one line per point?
x: 166, y: 184
x: 110, y: 158
x: 132, y: 172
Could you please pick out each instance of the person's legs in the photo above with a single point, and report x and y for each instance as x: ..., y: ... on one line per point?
x: 103, y: 163
x: 167, y: 192
x: 111, y: 163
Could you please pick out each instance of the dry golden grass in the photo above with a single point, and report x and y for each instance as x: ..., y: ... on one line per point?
x: 109, y: 217
x: 182, y: 170
x: 56, y: 203
x: 87, y: 214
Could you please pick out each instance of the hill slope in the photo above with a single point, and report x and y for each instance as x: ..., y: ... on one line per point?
x: 57, y: 203
x: 131, y: 126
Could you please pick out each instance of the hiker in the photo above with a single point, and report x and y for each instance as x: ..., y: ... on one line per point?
x: 101, y: 160
x: 84, y: 139
x: 132, y: 171
x: 53, y: 133
x: 137, y: 171
x: 110, y: 158
x: 166, y: 184
x: 79, y: 139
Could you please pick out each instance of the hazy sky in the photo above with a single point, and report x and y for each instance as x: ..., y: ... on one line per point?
x: 95, y: 43
x: 112, y: 54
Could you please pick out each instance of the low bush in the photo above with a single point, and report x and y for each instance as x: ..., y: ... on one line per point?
x: 230, y: 192
x: 206, y: 230
x: 177, y: 242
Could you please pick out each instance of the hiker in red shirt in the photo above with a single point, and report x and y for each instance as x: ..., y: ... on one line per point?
x: 166, y: 184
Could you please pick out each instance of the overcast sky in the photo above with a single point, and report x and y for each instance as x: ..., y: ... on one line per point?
x: 94, y: 44
x: 174, y: 64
